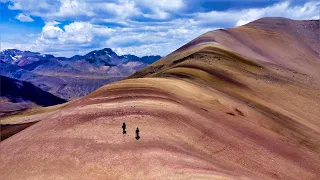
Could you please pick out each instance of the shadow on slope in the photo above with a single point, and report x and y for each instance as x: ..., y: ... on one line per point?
x: 20, y: 91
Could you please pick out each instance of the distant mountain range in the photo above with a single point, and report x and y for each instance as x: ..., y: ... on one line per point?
x: 70, y: 78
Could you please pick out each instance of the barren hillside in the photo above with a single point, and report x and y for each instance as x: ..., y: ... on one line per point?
x: 240, y: 103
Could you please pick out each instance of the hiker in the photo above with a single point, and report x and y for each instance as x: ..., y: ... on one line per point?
x: 137, y: 134
x: 124, y: 128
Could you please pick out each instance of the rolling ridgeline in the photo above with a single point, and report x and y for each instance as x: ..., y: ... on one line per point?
x: 237, y: 103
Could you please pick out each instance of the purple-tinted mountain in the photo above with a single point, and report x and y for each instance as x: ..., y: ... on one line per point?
x: 70, y: 78
x: 17, y: 95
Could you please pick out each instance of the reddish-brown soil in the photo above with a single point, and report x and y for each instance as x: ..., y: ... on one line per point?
x: 219, y: 108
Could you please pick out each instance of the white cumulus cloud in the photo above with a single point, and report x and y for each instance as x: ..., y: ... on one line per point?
x: 141, y: 27
x: 309, y: 10
x: 24, y: 18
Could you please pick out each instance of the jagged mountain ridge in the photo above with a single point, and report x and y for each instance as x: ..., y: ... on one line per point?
x: 72, y: 77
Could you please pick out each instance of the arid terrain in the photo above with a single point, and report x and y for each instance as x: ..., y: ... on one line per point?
x: 238, y: 103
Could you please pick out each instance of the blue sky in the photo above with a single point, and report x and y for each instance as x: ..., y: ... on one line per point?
x: 140, y: 27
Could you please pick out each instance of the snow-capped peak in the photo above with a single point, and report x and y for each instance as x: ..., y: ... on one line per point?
x: 18, y: 56
x: 14, y: 59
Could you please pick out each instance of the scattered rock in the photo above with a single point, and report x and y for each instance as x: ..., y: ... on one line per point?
x: 232, y: 114
x: 239, y: 112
